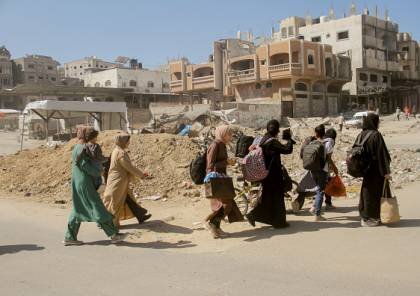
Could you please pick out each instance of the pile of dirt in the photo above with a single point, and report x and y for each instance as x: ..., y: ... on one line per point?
x: 46, y: 172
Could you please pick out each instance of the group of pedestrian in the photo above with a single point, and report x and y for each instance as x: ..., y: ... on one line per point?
x: 117, y: 202
x: 270, y: 208
x: 408, y: 112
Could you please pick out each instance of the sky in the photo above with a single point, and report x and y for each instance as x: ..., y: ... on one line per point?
x: 155, y: 31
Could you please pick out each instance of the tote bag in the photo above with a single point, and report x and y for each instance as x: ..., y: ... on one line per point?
x: 389, y: 206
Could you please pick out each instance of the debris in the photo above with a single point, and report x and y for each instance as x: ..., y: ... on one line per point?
x: 152, y: 197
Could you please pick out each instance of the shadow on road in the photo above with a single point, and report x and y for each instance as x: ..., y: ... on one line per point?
x: 159, y: 226
x: 149, y: 245
x: 406, y: 223
x: 267, y: 232
x: 11, y: 249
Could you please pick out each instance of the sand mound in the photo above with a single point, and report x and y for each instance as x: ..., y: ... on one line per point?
x: 46, y: 171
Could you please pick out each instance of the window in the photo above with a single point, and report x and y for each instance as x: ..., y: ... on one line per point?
x: 291, y: 31
x: 40, y: 77
x: 406, y: 68
x: 316, y: 39
x: 108, y: 83
x: 150, y: 84
x: 30, y: 77
x: 373, y: 78
x: 283, y: 32
x: 53, y: 79
x: 363, y: 77
x: 74, y: 67
x: 385, y: 79
x: 257, y: 86
x: 165, y: 85
x: 97, y: 84
x: 31, y: 66
x: 263, y: 62
x: 405, y: 48
x: 89, y: 65
x: 310, y: 59
x: 268, y: 85
x: 81, y: 73
x: 133, y: 83
x: 81, y: 67
x: 188, y: 74
x: 343, y: 35
x: 50, y: 68
x: 102, y: 66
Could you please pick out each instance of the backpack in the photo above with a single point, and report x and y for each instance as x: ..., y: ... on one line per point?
x: 198, y: 168
x: 313, y: 156
x: 253, y: 165
x: 242, y: 146
x: 358, y: 161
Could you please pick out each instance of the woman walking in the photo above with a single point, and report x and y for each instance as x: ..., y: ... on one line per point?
x: 87, y: 204
x: 217, y: 161
x: 378, y: 172
x: 271, y: 208
x: 121, y: 171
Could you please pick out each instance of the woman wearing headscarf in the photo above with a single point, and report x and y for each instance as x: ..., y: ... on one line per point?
x: 121, y: 171
x: 217, y: 161
x: 378, y: 172
x: 87, y: 204
x: 270, y: 208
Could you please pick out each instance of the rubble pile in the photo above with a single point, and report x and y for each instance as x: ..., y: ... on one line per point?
x: 46, y: 172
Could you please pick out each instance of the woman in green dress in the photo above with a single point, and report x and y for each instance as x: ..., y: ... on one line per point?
x: 87, y: 204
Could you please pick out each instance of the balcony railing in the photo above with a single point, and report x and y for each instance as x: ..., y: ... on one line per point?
x: 176, y: 83
x: 284, y: 67
x: 203, y: 79
x: 242, y: 74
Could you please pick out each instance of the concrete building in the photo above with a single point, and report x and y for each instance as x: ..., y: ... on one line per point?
x: 370, y: 41
x: 140, y: 80
x: 79, y: 68
x: 409, y: 57
x: 302, y: 78
x: 35, y: 69
x: 6, y: 77
x: 6, y: 72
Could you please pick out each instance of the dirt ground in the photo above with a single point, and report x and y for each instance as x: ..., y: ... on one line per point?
x: 172, y: 254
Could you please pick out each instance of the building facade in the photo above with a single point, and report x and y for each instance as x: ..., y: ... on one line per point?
x: 6, y: 72
x: 140, y: 80
x: 35, y: 69
x: 304, y: 78
x: 78, y: 69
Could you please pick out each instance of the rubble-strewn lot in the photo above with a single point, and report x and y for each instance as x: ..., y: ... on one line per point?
x: 44, y: 173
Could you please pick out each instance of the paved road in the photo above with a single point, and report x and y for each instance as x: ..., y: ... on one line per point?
x: 335, y: 257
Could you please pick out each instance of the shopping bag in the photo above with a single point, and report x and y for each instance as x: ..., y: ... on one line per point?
x: 390, y: 212
x: 335, y: 187
x: 221, y: 188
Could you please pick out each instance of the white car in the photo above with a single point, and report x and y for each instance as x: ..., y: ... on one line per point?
x: 357, y: 120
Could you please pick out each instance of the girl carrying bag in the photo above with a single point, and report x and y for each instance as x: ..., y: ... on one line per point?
x: 389, y: 205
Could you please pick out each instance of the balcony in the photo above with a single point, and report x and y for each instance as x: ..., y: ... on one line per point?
x: 284, y: 70
x: 243, y: 76
x: 176, y: 85
x: 203, y: 82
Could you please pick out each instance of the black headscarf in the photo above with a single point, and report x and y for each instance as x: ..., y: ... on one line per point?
x: 371, y: 122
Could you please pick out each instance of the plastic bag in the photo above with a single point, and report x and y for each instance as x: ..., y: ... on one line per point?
x: 335, y: 187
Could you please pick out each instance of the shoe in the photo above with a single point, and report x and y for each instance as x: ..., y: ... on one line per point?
x: 212, y: 229
x: 319, y: 218
x: 69, y: 242
x: 369, y: 223
x: 118, y: 238
x: 329, y: 207
x: 312, y: 210
x: 250, y: 219
x: 221, y: 233
x: 145, y: 218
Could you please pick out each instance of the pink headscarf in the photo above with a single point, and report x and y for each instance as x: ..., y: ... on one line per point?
x: 222, y: 131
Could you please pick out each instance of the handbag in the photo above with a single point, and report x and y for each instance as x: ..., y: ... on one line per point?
x: 389, y: 205
x: 221, y: 188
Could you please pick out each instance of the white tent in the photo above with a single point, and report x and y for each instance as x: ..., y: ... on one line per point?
x: 102, y: 112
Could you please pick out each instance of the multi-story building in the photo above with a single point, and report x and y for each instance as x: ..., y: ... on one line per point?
x: 35, y: 69
x: 370, y: 42
x: 79, y: 68
x: 6, y: 72
x: 304, y: 78
x: 409, y: 57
